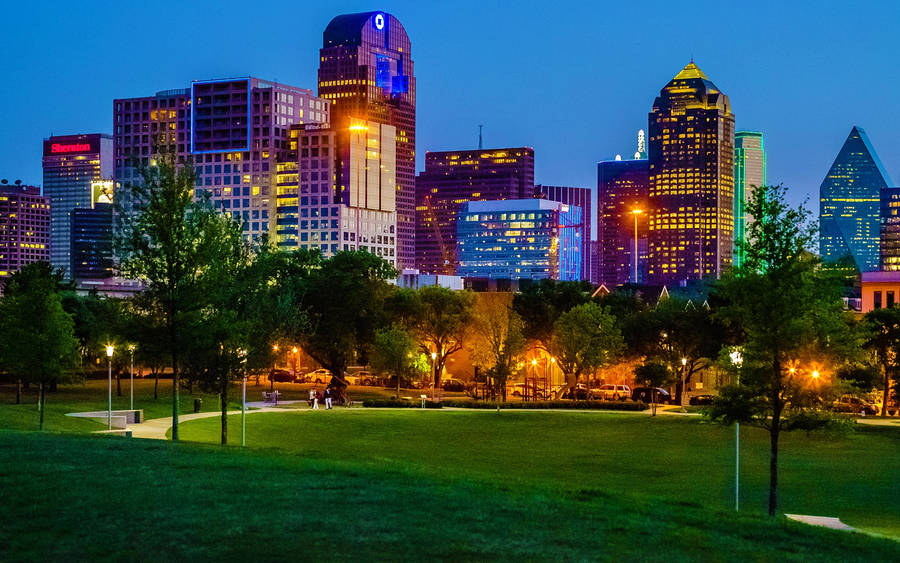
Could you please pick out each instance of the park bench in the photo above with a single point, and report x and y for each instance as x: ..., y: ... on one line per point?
x: 271, y: 397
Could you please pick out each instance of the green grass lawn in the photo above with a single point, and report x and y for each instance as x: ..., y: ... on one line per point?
x: 69, y: 497
x: 677, y: 459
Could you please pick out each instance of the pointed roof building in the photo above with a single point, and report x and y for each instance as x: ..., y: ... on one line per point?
x: 850, y: 204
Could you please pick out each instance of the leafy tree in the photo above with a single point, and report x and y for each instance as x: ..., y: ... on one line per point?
x: 393, y: 351
x: 38, y: 344
x: 882, y: 338
x: 653, y: 374
x: 785, y: 308
x: 439, y: 319
x: 144, y: 325
x: 497, y: 340
x: 541, y: 304
x: 166, y: 239
x: 585, y: 338
x: 344, y: 301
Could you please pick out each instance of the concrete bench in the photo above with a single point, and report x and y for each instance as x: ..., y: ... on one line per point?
x: 271, y: 397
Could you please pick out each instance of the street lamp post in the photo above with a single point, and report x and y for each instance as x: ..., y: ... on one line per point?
x: 434, y: 373
x: 109, y: 355
x: 294, y: 352
x: 636, y: 212
x: 683, y: 383
x: 738, y: 360
x: 274, y: 367
x: 131, y: 352
x: 533, y: 379
x: 243, y: 356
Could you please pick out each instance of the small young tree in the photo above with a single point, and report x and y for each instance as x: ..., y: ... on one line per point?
x: 882, y: 338
x: 393, y: 351
x: 585, y: 338
x: 785, y: 307
x: 653, y: 374
x: 497, y: 340
x: 38, y: 343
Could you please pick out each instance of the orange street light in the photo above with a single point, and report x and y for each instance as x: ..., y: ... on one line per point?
x: 815, y: 374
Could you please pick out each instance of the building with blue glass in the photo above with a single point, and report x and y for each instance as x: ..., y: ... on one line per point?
x: 749, y: 174
x: 850, y: 204
x: 520, y: 239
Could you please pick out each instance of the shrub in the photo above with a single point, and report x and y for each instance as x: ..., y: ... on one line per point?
x: 592, y: 405
x: 395, y: 403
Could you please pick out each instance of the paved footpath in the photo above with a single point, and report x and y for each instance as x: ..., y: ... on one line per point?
x: 156, y: 428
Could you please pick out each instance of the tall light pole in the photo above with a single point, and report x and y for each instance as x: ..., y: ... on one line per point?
x: 274, y: 367
x: 243, y: 356
x: 636, y: 212
x: 434, y: 374
x: 683, y: 382
x: 294, y: 352
x: 109, y: 355
x: 533, y: 379
x: 131, y: 352
x: 738, y: 360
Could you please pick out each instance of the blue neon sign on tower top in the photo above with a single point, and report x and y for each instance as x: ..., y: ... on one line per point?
x: 379, y: 21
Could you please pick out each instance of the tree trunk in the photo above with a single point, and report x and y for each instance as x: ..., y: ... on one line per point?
x: 223, y: 396
x: 18, y: 391
x: 174, y: 397
x: 156, y: 385
x: 41, y: 406
x: 773, y: 469
x: 884, y: 398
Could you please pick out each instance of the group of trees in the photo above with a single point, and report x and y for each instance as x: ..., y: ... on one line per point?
x: 213, y: 305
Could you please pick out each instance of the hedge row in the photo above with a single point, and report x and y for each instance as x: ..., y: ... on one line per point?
x: 580, y: 405
x: 394, y: 403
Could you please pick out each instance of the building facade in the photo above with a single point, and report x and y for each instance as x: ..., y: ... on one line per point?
x: 850, y: 204
x: 622, y: 190
x: 24, y: 228
x: 580, y: 197
x: 366, y: 72
x: 520, y: 239
x: 234, y: 131
x: 453, y: 178
x: 338, y: 190
x: 890, y: 230
x: 691, y: 179
x: 72, y: 166
x: 92, y: 244
x: 749, y: 173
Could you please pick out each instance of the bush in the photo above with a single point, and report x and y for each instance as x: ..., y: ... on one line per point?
x: 592, y: 405
x: 395, y: 403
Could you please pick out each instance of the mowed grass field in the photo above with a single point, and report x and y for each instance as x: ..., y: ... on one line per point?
x: 450, y: 484
x: 682, y: 460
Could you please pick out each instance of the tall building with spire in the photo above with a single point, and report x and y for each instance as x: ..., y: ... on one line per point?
x: 366, y: 72
x: 850, y: 204
x: 691, y: 180
x: 749, y: 173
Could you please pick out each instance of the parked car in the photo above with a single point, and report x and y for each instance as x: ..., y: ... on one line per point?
x: 319, y: 376
x: 281, y: 376
x: 366, y: 377
x: 645, y: 395
x: 701, y: 399
x: 855, y: 405
x: 578, y: 393
x: 351, y: 379
x: 612, y: 392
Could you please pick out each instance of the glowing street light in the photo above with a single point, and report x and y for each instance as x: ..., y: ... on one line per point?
x: 131, y: 352
x: 109, y: 355
x: 683, y: 383
x: 434, y: 373
x: 815, y: 374
x: 738, y: 360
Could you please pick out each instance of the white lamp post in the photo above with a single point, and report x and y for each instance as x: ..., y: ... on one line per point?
x: 131, y: 351
x: 109, y: 355
x: 434, y: 373
x: 738, y: 360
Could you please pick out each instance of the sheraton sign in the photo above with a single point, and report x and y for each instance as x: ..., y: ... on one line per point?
x: 56, y: 148
x: 71, y: 144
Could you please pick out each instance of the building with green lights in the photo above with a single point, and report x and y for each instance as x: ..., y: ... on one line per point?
x: 749, y: 173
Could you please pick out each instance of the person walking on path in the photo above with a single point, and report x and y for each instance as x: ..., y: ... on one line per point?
x: 312, y: 396
x: 314, y: 393
x: 328, y: 398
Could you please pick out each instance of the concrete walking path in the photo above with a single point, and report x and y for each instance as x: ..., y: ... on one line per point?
x: 156, y: 429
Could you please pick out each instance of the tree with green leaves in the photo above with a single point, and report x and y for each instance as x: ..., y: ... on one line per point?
x: 394, y: 351
x: 166, y: 239
x: 540, y: 305
x: 786, y: 310
x: 496, y: 342
x: 882, y: 339
x: 585, y: 338
x: 439, y: 320
x: 343, y: 300
x: 38, y: 344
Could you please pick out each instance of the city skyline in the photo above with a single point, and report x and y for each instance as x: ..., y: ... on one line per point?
x: 571, y: 129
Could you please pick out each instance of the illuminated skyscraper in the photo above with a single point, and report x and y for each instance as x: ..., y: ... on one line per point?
x: 24, y: 227
x: 622, y: 187
x: 691, y: 195
x: 890, y: 229
x: 72, y: 164
x: 366, y: 71
x: 573, y: 196
x: 749, y: 173
x: 850, y: 204
x: 453, y: 178
x: 337, y: 190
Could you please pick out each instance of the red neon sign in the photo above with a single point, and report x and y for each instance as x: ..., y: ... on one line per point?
x: 75, y: 147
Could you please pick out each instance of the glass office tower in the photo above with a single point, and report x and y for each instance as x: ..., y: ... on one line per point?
x: 622, y: 187
x: 850, y: 204
x: 520, y: 239
x: 749, y: 173
x: 691, y: 195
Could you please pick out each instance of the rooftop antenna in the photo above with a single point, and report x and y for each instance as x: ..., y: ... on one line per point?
x: 480, y: 143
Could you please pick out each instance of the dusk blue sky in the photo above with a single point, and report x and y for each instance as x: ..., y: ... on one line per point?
x: 573, y: 80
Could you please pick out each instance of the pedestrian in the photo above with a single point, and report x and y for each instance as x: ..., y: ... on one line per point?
x: 328, y: 398
x: 315, y: 398
x: 312, y: 396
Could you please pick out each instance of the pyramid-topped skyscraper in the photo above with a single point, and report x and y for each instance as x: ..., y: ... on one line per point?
x: 691, y: 185
x: 850, y: 204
